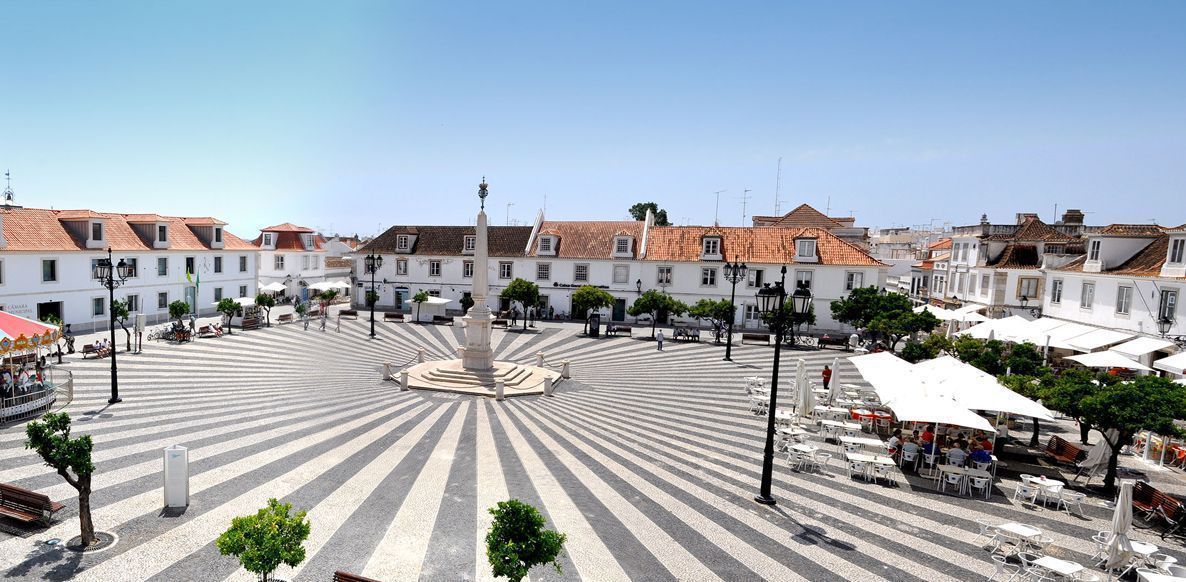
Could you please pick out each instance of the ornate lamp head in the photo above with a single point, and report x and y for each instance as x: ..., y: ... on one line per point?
x: 482, y: 193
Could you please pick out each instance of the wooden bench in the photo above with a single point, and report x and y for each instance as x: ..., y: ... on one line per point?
x: 625, y: 330
x: 351, y: 313
x: 829, y: 340
x: 25, y: 505
x: 341, y: 576
x: 1155, y: 503
x: 442, y: 320
x: 683, y: 334
x: 500, y: 322
x: 284, y: 318
x: 207, y: 331
x: 756, y: 337
x: 1064, y: 452
x: 389, y: 316
x: 90, y: 349
x: 315, y: 312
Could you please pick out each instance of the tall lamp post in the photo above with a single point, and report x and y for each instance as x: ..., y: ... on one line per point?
x: 771, y: 302
x: 111, y: 277
x: 372, y: 263
x: 734, y: 272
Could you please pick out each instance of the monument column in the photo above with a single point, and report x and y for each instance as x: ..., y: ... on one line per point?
x: 477, y: 354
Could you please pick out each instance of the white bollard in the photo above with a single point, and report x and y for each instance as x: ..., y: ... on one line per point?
x: 539, y: 359
x: 564, y: 370
x: 500, y: 390
x: 549, y: 388
x: 403, y: 380
x: 422, y: 355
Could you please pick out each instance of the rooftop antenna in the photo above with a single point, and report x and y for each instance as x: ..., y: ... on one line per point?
x: 744, y: 200
x: 9, y: 197
x: 1055, y: 212
x: 717, y: 213
x: 777, y: 186
x: 509, y: 205
x: 828, y: 207
x: 545, y: 203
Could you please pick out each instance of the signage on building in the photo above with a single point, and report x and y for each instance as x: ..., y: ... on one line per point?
x: 574, y: 285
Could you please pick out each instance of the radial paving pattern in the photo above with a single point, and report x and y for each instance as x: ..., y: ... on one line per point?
x: 647, y: 460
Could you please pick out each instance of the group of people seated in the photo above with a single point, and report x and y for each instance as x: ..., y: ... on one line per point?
x: 960, y: 450
x: 102, y: 347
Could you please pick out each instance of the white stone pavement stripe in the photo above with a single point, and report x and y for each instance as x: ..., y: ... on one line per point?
x: 109, y: 517
x: 681, y: 563
x: 400, y: 554
x: 588, y: 552
x: 157, y: 554
x: 491, y: 488
x: 762, y: 564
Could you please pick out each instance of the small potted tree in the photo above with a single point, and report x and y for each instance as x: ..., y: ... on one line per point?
x: 266, y: 301
x: 264, y: 541
x: 517, y: 540
x: 229, y: 308
x: 419, y: 298
x: 178, y: 310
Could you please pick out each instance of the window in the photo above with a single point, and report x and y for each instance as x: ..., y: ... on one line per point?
x: 304, y: 262
x: 434, y: 292
x: 506, y: 270
x: 242, y: 290
x: 1094, y: 253
x: 622, y: 245
x: 1123, y: 300
x: 712, y: 246
x: 49, y: 270
x: 1055, y: 291
x: 621, y: 273
x: 467, y: 269
x: 133, y: 267
x: 162, y: 266
x: 803, y: 278
x: 96, y: 231
x: 401, y: 267
x: 189, y: 265
x: 98, y: 306
x: 434, y: 268
x: 853, y: 280
x: 403, y: 242
x: 1087, y: 296
x: 580, y: 273
x: 217, y: 234
x: 242, y: 263
x: 95, y: 269
x: 1027, y: 287
x: 1054, y: 249
x: 805, y: 248
x: 664, y: 277
x: 307, y: 240
x: 217, y: 264
x: 133, y: 303
x: 1177, y: 248
x: 162, y: 233
x: 1168, y: 306
x: 217, y: 294
x: 984, y: 285
x: 278, y: 262
x: 543, y: 271
x: 545, y: 244
x: 755, y: 277
x: 471, y: 242
x: 752, y: 313
x: 267, y: 239
x: 162, y: 300
x: 708, y: 277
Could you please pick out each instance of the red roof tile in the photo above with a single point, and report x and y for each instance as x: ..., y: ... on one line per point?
x: 804, y: 216
x: 943, y: 243
x: 286, y: 227
x: 289, y: 240
x: 589, y: 239
x: 448, y: 241
x: 768, y: 245
x: 35, y: 229
x: 1018, y: 256
x: 1033, y: 230
x: 1133, y: 230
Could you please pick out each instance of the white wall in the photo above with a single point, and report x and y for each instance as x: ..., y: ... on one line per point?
x: 308, y: 266
x: 1143, y: 311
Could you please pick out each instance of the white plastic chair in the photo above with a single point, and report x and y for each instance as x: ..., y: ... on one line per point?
x: 1086, y: 576
x: 1176, y: 570
x: 953, y: 479
x: 794, y: 459
x: 1042, y: 545
x: 1069, y: 498
x: 821, y: 461
x: 849, y: 448
x: 908, y: 458
x: 884, y: 472
x: 1101, y: 540
x: 980, y: 484
x: 1026, y: 493
x: 1162, y: 561
x: 1003, y: 567
x: 982, y: 466
x: 858, y: 467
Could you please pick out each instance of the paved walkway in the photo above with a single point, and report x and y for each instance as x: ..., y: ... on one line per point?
x: 647, y: 460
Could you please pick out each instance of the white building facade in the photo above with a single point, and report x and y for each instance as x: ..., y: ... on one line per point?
x: 293, y: 256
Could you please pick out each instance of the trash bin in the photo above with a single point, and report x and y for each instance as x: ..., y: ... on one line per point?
x: 176, y: 476
x: 595, y: 325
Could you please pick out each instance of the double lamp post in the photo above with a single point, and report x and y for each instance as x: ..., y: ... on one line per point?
x: 112, y: 276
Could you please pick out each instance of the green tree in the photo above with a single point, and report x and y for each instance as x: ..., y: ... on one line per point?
x: 639, y: 212
x: 178, y: 310
x: 327, y: 297
x: 517, y: 540
x: 266, y: 301
x: 656, y: 304
x: 588, y: 298
x: 936, y: 344
x: 719, y: 313
x: 915, y: 352
x: 119, y: 310
x: 420, y: 297
x: 1067, y: 392
x: 264, y: 541
x: 1024, y: 359
x: 1030, y: 387
x: 859, y: 308
x: 372, y: 298
x: 1145, y: 403
x: 467, y: 301
x: 968, y: 348
x: 70, y: 457
x: 228, y: 308
x: 523, y: 291
x: 896, y: 324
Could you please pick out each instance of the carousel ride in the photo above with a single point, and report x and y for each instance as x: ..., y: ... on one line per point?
x: 29, y: 386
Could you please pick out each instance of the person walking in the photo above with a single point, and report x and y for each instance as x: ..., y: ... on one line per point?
x: 827, y: 374
x: 324, y: 318
x: 659, y: 340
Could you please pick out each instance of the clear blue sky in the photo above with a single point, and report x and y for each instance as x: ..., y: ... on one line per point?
x: 356, y: 115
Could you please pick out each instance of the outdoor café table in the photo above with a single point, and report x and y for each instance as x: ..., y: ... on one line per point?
x: 864, y: 442
x: 831, y: 410
x: 1060, y: 567
x: 1156, y: 577
x: 805, y: 449
x: 967, y: 472
x: 784, y: 416
x: 838, y: 426
x: 1048, y: 486
x: 869, y: 460
x: 1024, y: 533
x: 1144, y: 549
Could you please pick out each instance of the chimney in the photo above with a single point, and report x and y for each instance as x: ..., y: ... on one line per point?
x: 1073, y: 216
x: 984, y: 225
x: 1023, y: 216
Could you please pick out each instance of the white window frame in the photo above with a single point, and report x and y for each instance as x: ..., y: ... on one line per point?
x: 708, y: 276
x: 506, y: 270
x: 660, y: 278
x: 217, y: 294
x: 1167, y: 297
x: 133, y: 302
x: 543, y: 271
x: 1087, y: 296
x: 162, y: 295
x: 1177, y: 251
x: 547, y: 246
x: 401, y: 266
x: 56, y: 276
x: 1123, y: 300
x: 101, y: 303
x: 810, y: 279
x: 99, y: 225
x: 580, y: 272
x: 242, y: 263
x: 805, y: 244
x: 469, y: 243
x: 622, y: 245
x: 267, y: 239
x: 467, y: 269
x: 242, y: 291
x: 754, y: 278
x: 851, y: 278
x: 711, y: 246
x: 403, y: 242
x: 218, y: 264
x: 1093, y: 253
x: 278, y: 262
x: 1056, y: 287
x: 1033, y: 282
x: 434, y: 268
x: 162, y: 233
x: 218, y: 234
x: 162, y: 262
x: 621, y: 274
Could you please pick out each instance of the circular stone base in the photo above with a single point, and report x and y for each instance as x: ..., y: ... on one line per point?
x: 103, y: 541
x: 451, y: 376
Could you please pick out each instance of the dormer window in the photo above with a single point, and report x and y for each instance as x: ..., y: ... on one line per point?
x: 622, y: 245
x: 471, y: 243
x: 218, y: 234
x: 162, y: 233
x: 1093, y: 254
x: 403, y: 242
x: 712, y: 246
x: 1054, y: 249
x: 1177, y: 250
x: 96, y: 231
x: 307, y: 239
x: 805, y: 249
x: 267, y: 239
x: 547, y: 245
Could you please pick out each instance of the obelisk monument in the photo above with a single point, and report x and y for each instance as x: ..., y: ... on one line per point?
x: 476, y: 354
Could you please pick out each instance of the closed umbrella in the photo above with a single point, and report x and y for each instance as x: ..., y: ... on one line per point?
x: 1097, y: 457
x: 804, y: 402
x: 1119, y: 547
x: 834, y: 390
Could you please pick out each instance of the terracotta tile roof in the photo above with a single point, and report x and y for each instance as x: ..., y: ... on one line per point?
x: 286, y: 227
x: 1018, y: 256
x: 290, y: 240
x: 34, y: 229
x: 448, y: 241
x: 78, y: 214
x: 766, y: 245
x: 943, y: 243
x: 142, y: 218
x: 1032, y: 230
x: 589, y: 239
x: 1145, y: 263
x: 338, y: 262
x: 203, y: 221
x: 1133, y: 230
x: 804, y: 216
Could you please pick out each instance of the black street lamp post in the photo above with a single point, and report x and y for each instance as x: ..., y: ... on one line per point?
x: 734, y: 272
x: 1164, y: 324
x: 638, y: 286
x: 372, y: 263
x: 771, y: 302
x: 111, y: 278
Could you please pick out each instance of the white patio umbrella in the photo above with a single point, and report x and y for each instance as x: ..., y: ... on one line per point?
x: 804, y: 404
x: 1097, y: 457
x: 1119, y: 547
x: 1108, y: 359
x: 273, y: 287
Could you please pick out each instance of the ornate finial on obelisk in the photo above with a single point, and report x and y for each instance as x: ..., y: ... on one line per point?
x: 482, y: 193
